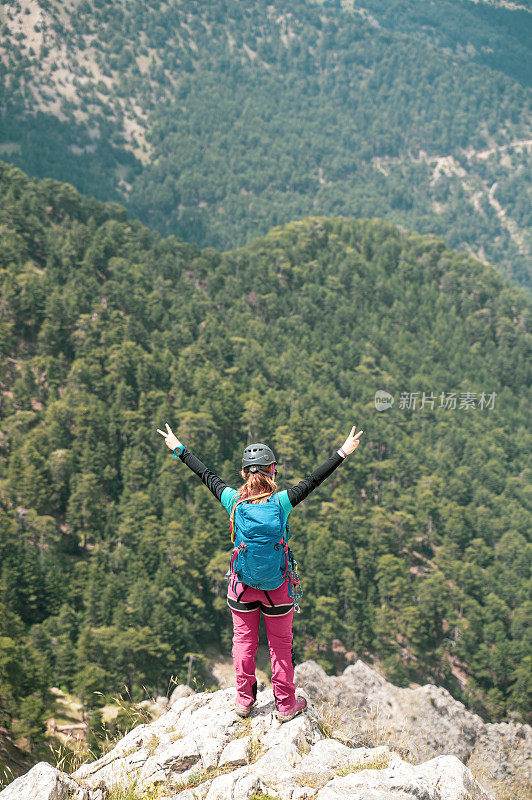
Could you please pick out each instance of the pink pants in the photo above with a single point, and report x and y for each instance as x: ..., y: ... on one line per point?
x: 277, y: 608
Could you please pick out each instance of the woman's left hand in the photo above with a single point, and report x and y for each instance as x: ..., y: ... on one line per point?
x: 352, y: 441
x: 171, y: 439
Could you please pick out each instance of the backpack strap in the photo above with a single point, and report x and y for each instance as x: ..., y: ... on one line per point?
x: 286, y: 535
x: 243, y: 500
x: 294, y: 585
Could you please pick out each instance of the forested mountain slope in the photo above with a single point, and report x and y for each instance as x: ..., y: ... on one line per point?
x: 113, y: 554
x: 216, y: 120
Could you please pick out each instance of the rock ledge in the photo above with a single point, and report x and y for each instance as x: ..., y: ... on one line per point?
x: 200, y: 750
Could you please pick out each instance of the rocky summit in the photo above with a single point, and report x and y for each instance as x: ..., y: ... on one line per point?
x: 361, y: 707
x: 200, y: 750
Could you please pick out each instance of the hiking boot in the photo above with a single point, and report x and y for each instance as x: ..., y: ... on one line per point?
x: 299, y: 706
x: 243, y: 711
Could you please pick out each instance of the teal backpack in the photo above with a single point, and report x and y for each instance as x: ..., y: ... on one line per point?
x: 261, y: 557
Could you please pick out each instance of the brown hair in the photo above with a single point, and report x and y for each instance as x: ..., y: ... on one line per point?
x: 256, y: 483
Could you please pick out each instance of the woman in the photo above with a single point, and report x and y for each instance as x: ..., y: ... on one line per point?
x: 246, y: 603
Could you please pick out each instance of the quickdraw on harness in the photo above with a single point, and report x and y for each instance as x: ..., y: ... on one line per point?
x: 258, y: 569
x: 294, y: 584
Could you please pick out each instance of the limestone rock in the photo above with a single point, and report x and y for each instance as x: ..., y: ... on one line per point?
x: 237, y: 785
x: 235, y: 754
x: 441, y: 778
x: 44, y: 782
x: 361, y: 708
x: 178, y: 693
x: 200, y: 750
x: 451, y: 778
x: 504, y: 752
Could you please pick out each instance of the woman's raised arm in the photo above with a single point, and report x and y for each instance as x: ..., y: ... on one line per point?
x: 215, y: 484
x: 302, y: 489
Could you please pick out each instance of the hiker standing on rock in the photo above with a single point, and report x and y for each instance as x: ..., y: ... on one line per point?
x: 263, y: 573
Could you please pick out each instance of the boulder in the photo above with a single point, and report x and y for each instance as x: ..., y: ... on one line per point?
x: 44, y: 782
x: 442, y: 778
x: 360, y: 707
x: 178, y: 693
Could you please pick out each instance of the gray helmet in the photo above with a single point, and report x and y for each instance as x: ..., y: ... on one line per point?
x: 257, y: 455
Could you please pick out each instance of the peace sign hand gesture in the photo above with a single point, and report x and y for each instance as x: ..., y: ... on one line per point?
x: 170, y: 439
x: 352, y: 441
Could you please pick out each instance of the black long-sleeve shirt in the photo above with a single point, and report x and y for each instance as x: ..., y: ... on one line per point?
x: 288, y: 498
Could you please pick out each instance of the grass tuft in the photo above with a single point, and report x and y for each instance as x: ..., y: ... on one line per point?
x: 312, y: 780
x: 196, y: 778
x: 151, y: 745
x: 255, y: 750
x: 243, y: 728
x: 131, y: 791
x: 379, y: 762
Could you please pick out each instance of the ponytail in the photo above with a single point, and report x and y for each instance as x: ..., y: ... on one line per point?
x: 256, y: 483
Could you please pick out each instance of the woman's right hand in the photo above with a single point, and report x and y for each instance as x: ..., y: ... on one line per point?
x: 352, y: 441
x: 171, y: 439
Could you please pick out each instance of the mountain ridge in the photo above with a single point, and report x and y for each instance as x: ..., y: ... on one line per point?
x: 308, y: 103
